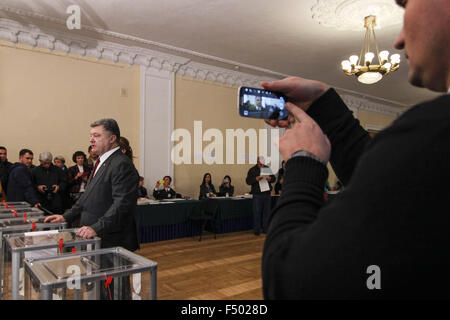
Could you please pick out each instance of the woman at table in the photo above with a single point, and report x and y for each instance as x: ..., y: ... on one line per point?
x: 226, y: 189
x: 166, y: 192
x: 207, y: 188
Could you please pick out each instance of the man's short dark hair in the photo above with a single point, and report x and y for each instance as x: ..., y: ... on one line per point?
x: 25, y: 151
x: 109, y: 125
x: 170, y: 179
x: 2, y: 148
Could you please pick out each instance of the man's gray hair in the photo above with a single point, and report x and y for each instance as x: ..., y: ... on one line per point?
x: 109, y: 125
x: 46, y: 157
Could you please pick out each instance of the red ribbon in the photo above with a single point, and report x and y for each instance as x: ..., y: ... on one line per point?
x: 15, y: 213
x: 61, y: 244
x: 25, y: 217
x: 74, y: 250
x: 12, y: 207
x: 107, y: 283
x: 6, y: 205
x: 33, y: 226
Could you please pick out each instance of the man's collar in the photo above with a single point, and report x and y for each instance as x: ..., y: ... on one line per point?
x: 107, y: 154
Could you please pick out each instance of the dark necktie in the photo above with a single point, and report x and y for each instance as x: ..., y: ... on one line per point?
x: 95, y: 168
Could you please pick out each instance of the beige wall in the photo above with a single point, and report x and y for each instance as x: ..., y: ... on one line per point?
x: 216, y: 106
x: 47, y: 101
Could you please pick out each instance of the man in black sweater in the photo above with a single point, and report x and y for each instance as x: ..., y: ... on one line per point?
x: 387, y: 234
x: 20, y: 184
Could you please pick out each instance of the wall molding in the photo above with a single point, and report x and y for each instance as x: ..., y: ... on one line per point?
x: 54, y: 40
x: 83, y: 46
x: 356, y: 103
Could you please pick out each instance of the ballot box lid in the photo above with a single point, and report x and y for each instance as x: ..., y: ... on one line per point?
x: 38, y: 240
x: 24, y: 224
x: 92, y: 266
x: 6, y: 215
x: 15, y: 203
x: 20, y: 210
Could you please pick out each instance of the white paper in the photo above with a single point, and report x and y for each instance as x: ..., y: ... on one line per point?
x: 264, y: 185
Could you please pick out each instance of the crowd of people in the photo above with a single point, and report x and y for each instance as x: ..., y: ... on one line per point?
x: 50, y: 185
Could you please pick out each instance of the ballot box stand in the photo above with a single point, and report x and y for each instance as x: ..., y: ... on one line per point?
x: 20, y: 225
x: 41, y: 244
x: 120, y: 273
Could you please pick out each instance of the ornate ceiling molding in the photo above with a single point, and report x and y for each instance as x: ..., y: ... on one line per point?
x: 368, y: 105
x: 349, y: 14
x: 34, y: 36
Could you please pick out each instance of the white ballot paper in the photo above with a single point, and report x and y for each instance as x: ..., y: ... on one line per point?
x: 263, y: 183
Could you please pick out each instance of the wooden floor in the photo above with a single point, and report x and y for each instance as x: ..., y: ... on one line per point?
x: 228, y: 267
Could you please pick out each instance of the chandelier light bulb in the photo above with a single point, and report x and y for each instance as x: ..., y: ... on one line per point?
x: 346, y: 66
x: 395, y: 58
x: 387, y: 66
x: 369, y: 57
x: 354, y: 60
x: 384, y: 55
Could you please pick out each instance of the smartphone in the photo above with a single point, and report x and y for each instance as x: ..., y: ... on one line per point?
x: 261, y: 104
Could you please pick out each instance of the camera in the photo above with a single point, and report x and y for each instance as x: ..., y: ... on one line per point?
x: 49, y: 192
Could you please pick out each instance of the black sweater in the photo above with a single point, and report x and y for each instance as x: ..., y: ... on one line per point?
x: 394, y: 212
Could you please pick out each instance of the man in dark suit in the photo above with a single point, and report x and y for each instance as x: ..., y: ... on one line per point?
x: 107, y: 206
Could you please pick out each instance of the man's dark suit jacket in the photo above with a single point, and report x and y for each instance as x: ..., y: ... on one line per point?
x: 109, y: 203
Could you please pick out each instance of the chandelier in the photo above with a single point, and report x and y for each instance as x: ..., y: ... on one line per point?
x: 367, y: 72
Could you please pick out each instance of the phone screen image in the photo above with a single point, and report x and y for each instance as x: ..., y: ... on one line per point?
x: 261, y: 104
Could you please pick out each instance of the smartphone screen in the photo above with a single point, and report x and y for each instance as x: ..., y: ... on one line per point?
x: 261, y: 104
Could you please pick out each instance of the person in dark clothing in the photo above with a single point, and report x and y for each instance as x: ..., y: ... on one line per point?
x: 385, y: 236
x: 207, y: 188
x: 226, y: 189
x: 50, y: 183
x: 279, y: 185
x: 20, y: 184
x: 78, y: 176
x: 142, y: 191
x: 60, y: 162
x: 5, y: 169
x: 257, y: 178
x: 166, y: 192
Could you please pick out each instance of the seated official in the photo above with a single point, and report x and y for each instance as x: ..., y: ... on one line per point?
x: 166, y: 192
x: 142, y: 191
x: 226, y: 189
x: 207, y: 188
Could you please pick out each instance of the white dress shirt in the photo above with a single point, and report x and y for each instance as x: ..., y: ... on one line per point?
x: 104, y: 157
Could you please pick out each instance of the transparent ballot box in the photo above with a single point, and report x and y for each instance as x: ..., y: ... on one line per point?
x: 107, y: 274
x: 20, y: 225
x: 36, y: 245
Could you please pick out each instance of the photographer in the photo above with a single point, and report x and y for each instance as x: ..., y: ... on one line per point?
x: 50, y: 182
x: 386, y: 235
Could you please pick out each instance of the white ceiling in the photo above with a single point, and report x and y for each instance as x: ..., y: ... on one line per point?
x: 280, y: 36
